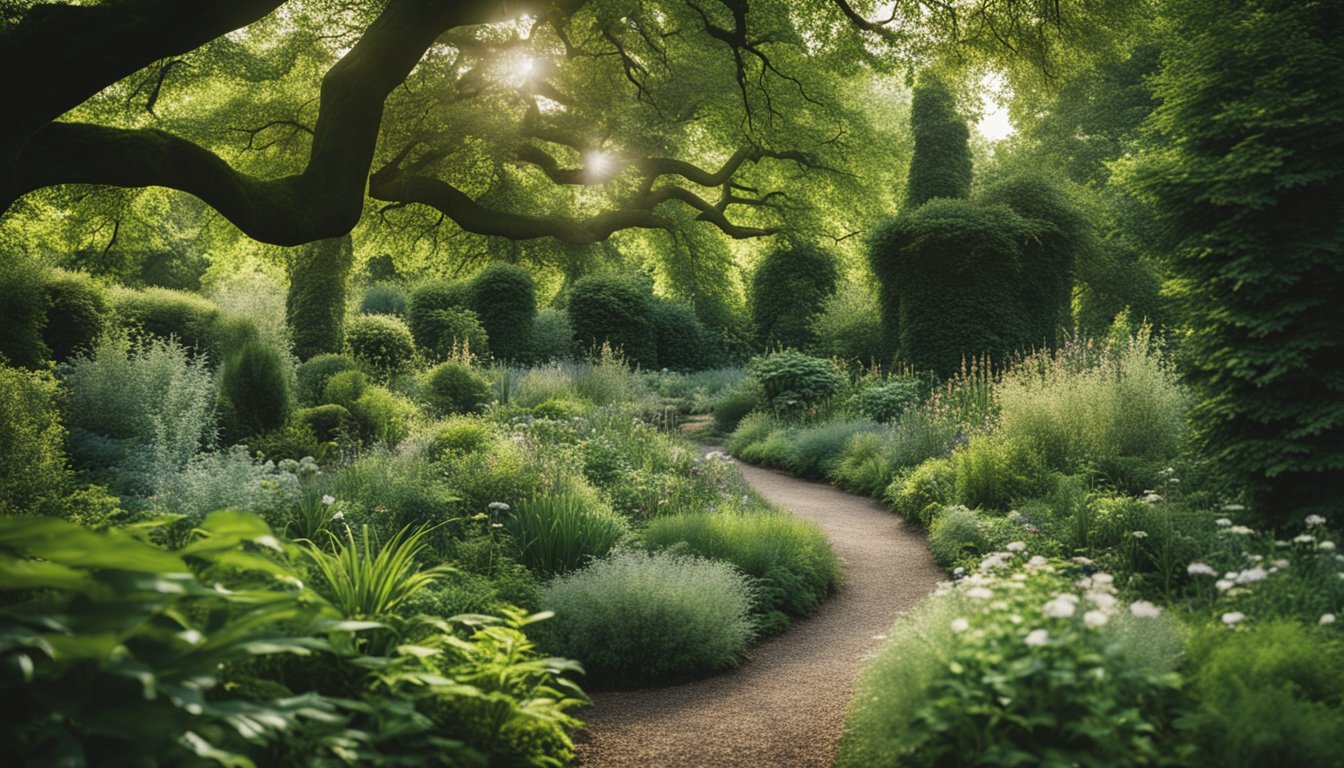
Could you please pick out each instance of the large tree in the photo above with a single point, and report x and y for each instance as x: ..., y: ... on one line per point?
x: 560, y: 119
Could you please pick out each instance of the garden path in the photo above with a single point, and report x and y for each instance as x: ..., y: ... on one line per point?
x: 786, y: 706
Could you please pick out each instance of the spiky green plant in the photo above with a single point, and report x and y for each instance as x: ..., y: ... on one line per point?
x: 367, y: 579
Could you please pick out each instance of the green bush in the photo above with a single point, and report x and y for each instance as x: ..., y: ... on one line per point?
x: 381, y: 343
x: 453, y: 387
x: 941, y: 163
x: 884, y: 403
x: 330, y: 422
x: 254, y: 393
x: 864, y: 466
x: 751, y: 429
x: 618, y: 311
x: 558, y: 533
x: 391, y: 491
x: 732, y: 406
x: 228, y: 479
x: 790, y: 558
x: 383, y: 299
x: 77, y: 313
x: 849, y: 326
x: 552, y: 336
x: 793, y: 383
x: 817, y: 451
x: 451, y: 332
x: 315, y: 306
x: 955, y: 533
x: 383, y: 416
x: 504, y: 297
x: 683, y: 342
x: 788, y: 290
x: 31, y: 443
x: 639, y: 618
x: 921, y: 493
x: 314, y: 373
x: 992, y: 473
x: 460, y: 435
x: 343, y: 388
x: 429, y: 299
x: 162, y: 314
x: 23, y: 312
x: 1268, y: 695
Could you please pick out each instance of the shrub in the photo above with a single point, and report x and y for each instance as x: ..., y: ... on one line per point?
x: 558, y: 533
x: 790, y: 558
x: 817, y: 451
x: 369, y: 581
x: 253, y: 391
x: 954, y: 533
x: 391, y: 491
x: 330, y: 422
x: 921, y: 493
x: 639, y: 618
x: 683, y: 342
x: 453, y: 387
x: 552, y: 336
x: 381, y: 343
x: 618, y: 311
x: 504, y: 297
x: 426, y: 300
x: 787, y: 292
x: 542, y: 383
x: 383, y: 416
x: 314, y: 373
x: 992, y: 473
x: 732, y: 406
x: 162, y: 314
x: 383, y: 299
x: 505, y: 473
x: 23, y: 312
x: 460, y: 435
x: 884, y: 403
x: 230, y: 479
x: 344, y: 388
x: 77, y: 312
x: 863, y: 466
x: 315, y: 306
x: 941, y: 163
x: 849, y: 326
x: 752, y: 429
x: 1269, y: 695
x: 793, y: 383
x: 454, y: 330
x: 258, y: 301
x: 31, y: 443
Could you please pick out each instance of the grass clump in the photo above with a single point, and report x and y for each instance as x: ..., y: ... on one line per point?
x: 639, y: 618
x: 558, y: 533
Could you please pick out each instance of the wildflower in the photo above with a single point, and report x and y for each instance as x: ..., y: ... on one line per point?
x: 1239, y: 530
x: 1326, y: 618
x: 1016, y: 546
x: 1103, y: 579
x: 1223, y: 521
x: 338, y: 516
x: 1095, y: 619
x: 1139, y: 534
x: 1016, y: 618
x: 979, y: 593
x: 1224, y: 584
x: 1305, y: 538
x: 1234, y: 508
x: 1102, y: 600
x: 328, y: 500
x: 1200, y: 569
x: 1058, y: 609
x: 1014, y: 515
x: 994, y: 560
x: 1233, y: 617
x: 1144, y: 609
x: 1315, y: 520
x: 496, y: 525
x: 960, y: 625
x: 1038, y: 561
x: 1082, y: 560
x: 1037, y: 637
x: 497, y: 506
x: 1152, y: 498
x: 959, y: 571
x: 1327, y: 546
x: 1281, y: 564
x: 1251, y: 575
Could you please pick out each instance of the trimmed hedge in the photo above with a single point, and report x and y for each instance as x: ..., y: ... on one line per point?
x: 616, y: 310
x: 788, y: 291
x: 684, y: 343
x: 163, y: 313
x: 505, y: 299
x: 382, y: 343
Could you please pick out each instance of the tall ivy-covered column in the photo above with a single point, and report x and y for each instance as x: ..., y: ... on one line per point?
x: 315, y: 306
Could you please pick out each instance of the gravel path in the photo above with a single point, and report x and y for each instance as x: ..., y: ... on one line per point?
x: 786, y: 706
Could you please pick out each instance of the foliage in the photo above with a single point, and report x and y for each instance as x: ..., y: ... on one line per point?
x: 921, y: 493
x: 77, y: 312
x: 993, y: 473
x: 23, y: 312
x: 552, y: 336
x: 884, y: 403
x: 1250, y: 179
x: 849, y: 325
x: 638, y: 618
x: 817, y: 450
x: 31, y: 443
x: 344, y: 387
x: 793, y: 383
x: 617, y: 311
x: 790, y: 559
x: 504, y: 297
x: 460, y: 434
x: 454, y: 328
x: 160, y: 313
x: 380, y: 343
x: 453, y: 387
x: 254, y: 395
x: 436, y: 314
x: 314, y: 373
x: 788, y: 290
x: 384, y: 299
x: 954, y: 533
x: 392, y: 492
x: 683, y: 342
x: 370, y: 579
x: 558, y: 533
x: 329, y: 422
x: 228, y: 479
x: 731, y: 406
x: 941, y: 164
x: 315, y: 306
x: 383, y: 416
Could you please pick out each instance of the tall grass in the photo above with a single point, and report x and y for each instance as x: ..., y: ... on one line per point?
x: 369, y: 580
x: 558, y: 533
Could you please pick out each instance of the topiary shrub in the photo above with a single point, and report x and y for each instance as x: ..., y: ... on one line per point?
x: 329, y: 422
x: 438, y: 315
x: 684, y: 343
x: 77, y: 312
x: 253, y: 391
x: 618, y: 311
x: 313, y: 374
x: 788, y: 290
x: 640, y: 618
x: 460, y: 435
x: 344, y: 388
x: 884, y: 403
x: 455, y: 328
x: 504, y: 297
x: 160, y: 313
x: 383, y: 299
x: 315, y: 306
x: 552, y: 336
x: 452, y: 387
x: 941, y: 164
x: 23, y: 311
x: 380, y: 343
x: 794, y: 384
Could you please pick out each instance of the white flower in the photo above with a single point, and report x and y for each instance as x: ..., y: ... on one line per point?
x: 1328, y: 546
x: 1281, y: 564
x: 994, y: 560
x: 328, y: 500
x: 1095, y: 619
x: 1200, y: 569
x: 1144, y: 609
x: 1152, y: 498
x: 1232, y: 617
x: 338, y: 516
x: 1223, y: 521
x: 1234, y: 507
x: 1315, y: 520
x: 497, y: 506
x: 960, y: 625
x: 1016, y: 546
x: 1305, y: 538
x: 1037, y: 561
x: 958, y: 571
x: 1082, y: 560
x: 1239, y: 530
x: 496, y: 525
x: 1037, y: 637
x: 1139, y: 534
x: 1014, y: 515
x: 1103, y: 579
x: 1102, y: 600
x: 1058, y: 609
x: 1251, y: 575
x: 979, y: 593
x: 1016, y: 618
x: 1326, y: 618
x: 1224, y: 584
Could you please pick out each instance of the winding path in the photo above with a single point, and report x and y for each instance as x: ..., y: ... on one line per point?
x: 786, y: 706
